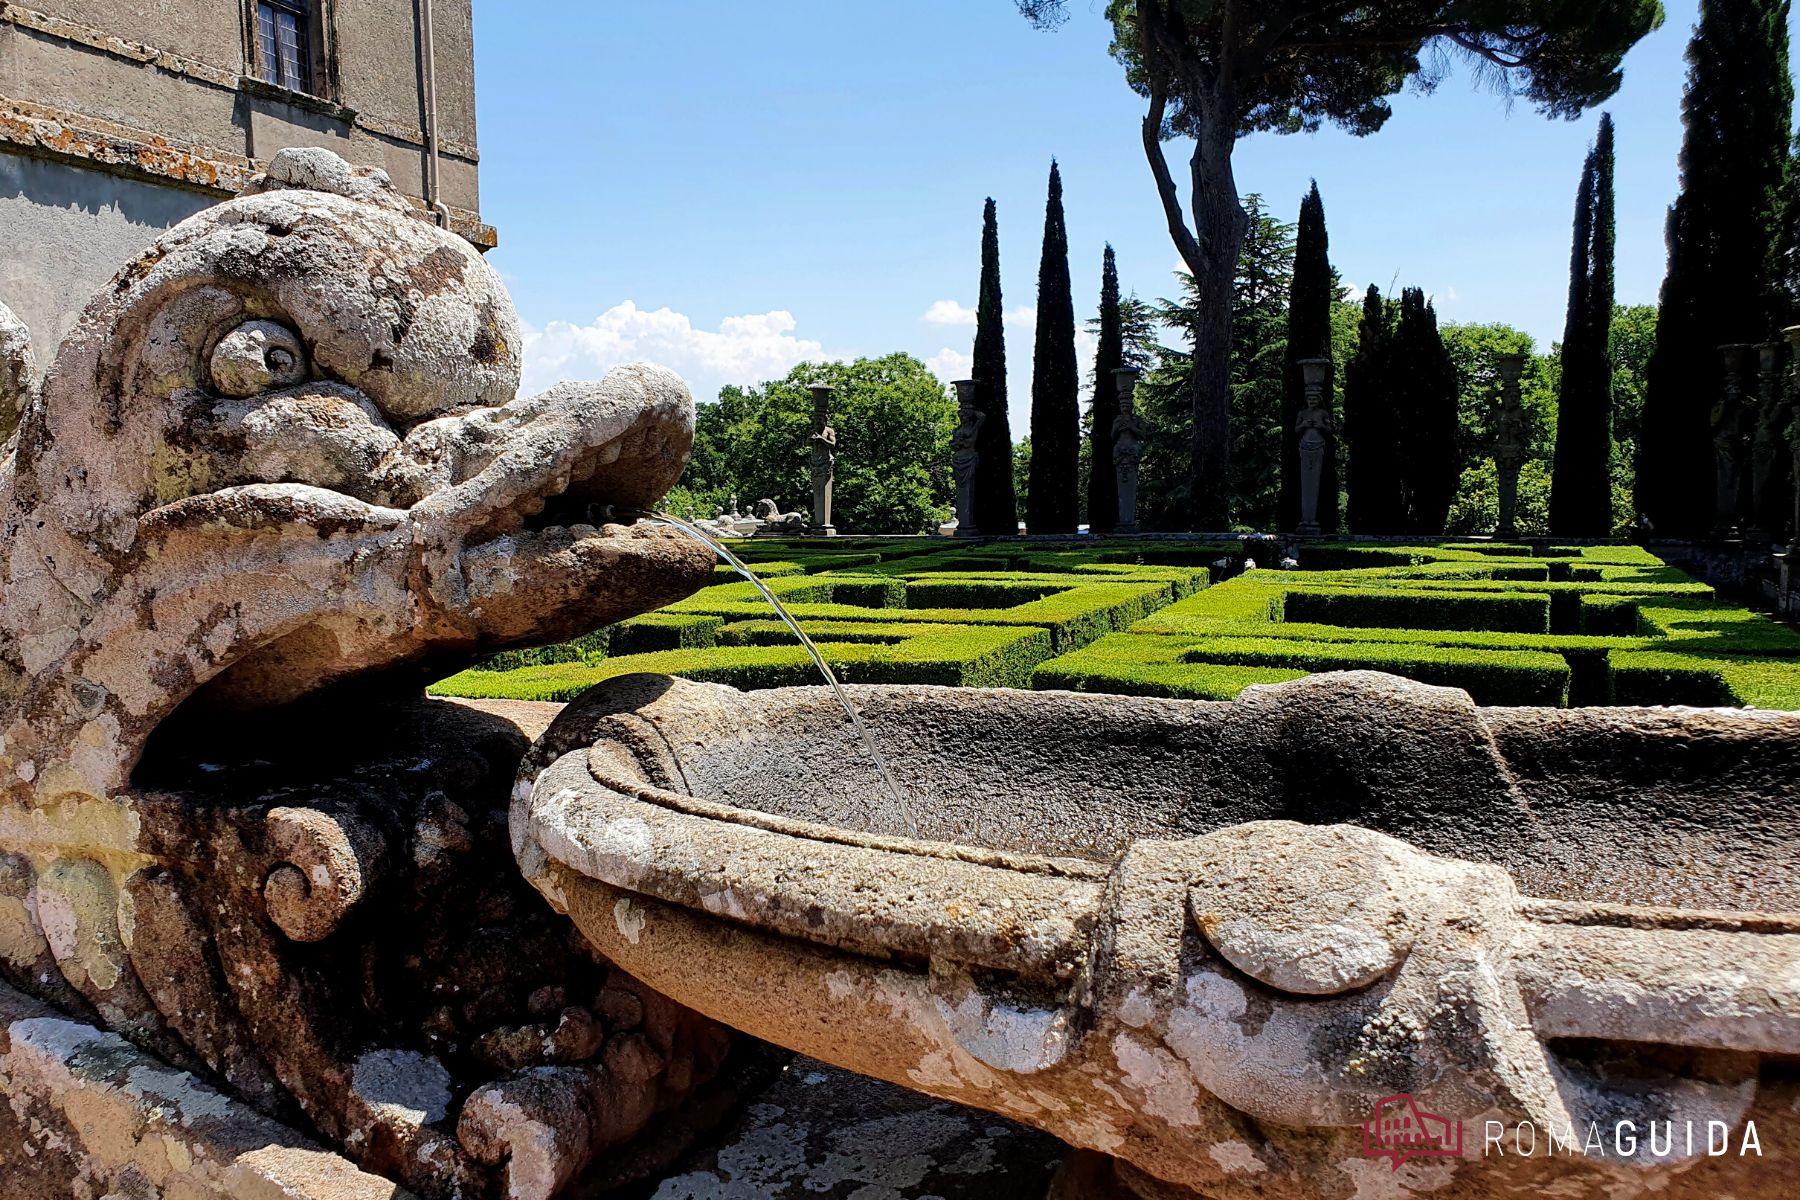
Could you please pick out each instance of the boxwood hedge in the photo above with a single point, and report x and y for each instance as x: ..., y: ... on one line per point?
x: 962, y: 656
x: 1512, y: 624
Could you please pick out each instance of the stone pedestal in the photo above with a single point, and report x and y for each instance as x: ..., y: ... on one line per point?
x: 1509, y: 443
x: 964, y: 457
x: 1128, y: 434
x: 822, y: 460
x: 1316, y: 431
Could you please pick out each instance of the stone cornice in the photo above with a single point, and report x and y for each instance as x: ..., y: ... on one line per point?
x: 91, y: 142
x: 214, y: 75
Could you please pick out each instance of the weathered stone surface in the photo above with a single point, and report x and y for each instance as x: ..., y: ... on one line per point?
x: 85, y: 1113
x: 1148, y: 928
x: 821, y: 1132
x: 17, y: 370
x: 275, y: 479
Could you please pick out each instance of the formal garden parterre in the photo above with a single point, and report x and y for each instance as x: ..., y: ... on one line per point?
x: 1512, y: 624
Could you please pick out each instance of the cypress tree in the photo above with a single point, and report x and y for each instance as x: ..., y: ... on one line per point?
x: 1308, y: 336
x: 1371, y: 430
x: 1725, y: 234
x: 1423, y: 380
x: 1581, y: 480
x: 996, y: 508
x: 1052, y: 497
x: 1103, y: 484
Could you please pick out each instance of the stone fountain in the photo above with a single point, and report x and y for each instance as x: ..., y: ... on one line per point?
x: 272, y: 924
x: 1347, y: 936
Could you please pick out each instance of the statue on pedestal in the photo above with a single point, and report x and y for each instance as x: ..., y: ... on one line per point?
x: 1315, y: 427
x: 1731, y: 441
x: 1792, y: 333
x: 964, y: 457
x: 772, y: 522
x: 823, y: 459
x: 1128, y: 432
x: 1509, y: 442
x: 1767, y: 450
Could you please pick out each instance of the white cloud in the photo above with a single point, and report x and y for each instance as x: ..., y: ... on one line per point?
x: 742, y: 350
x: 949, y: 312
x: 950, y: 365
x: 952, y: 312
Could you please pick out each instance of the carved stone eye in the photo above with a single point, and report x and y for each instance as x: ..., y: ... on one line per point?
x: 258, y: 356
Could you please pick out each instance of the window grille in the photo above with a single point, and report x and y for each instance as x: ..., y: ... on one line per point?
x: 284, y: 43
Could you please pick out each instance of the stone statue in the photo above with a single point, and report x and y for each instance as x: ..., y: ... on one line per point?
x: 772, y: 522
x: 1769, y: 451
x: 965, y: 457
x: 1792, y: 333
x: 1509, y: 442
x: 1128, y: 433
x: 277, y: 478
x: 1315, y: 429
x: 1731, y: 441
x: 822, y: 460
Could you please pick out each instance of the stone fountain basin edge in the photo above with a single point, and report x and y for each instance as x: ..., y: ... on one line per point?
x: 1142, y: 963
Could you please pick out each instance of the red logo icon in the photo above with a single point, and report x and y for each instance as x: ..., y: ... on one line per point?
x: 1400, y: 1130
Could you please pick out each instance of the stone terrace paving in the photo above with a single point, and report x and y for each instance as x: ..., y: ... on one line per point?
x: 1513, y: 624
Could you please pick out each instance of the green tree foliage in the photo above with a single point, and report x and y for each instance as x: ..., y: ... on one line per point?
x: 1020, y: 460
x: 1140, y: 328
x: 1103, y: 484
x: 893, y: 419
x: 1633, y: 342
x: 995, y: 499
x: 1308, y: 336
x: 1401, y: 419
x: 1163, y: 475
x: 1423, y: 381
x: 1581, y: 481
x: 1377, y: 496
x: 1475, y: 351
x: 1055, y: 492
x: 1260, y: 292
x: 1215, y: 70
x: 1259, y: 327
x: 1727, y: 240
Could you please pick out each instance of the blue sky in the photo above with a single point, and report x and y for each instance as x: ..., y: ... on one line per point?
x: 728, y: 187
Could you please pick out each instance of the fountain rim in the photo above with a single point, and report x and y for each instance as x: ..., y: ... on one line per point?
x: 725, y: 813
x: 1032, y: 919
x: 596, y: 816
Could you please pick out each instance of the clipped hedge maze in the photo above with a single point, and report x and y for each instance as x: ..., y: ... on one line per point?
x: 881, y: 611
x: 1580, y: 626
x: 1511, y: 624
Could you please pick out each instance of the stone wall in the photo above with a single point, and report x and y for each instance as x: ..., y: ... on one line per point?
x: 64, y: 229
x: 118, y: 119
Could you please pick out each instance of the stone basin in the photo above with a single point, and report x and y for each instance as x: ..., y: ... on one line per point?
x: 1346, y: 936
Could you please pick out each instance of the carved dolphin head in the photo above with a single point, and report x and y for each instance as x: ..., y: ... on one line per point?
x: 282, y: 450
